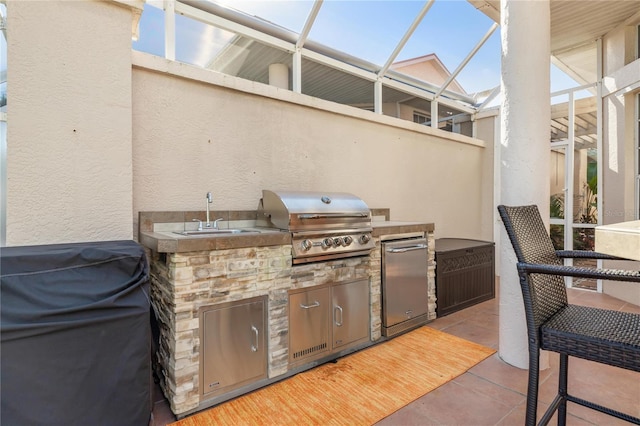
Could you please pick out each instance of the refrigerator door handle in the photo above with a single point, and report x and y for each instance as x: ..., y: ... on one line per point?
x: 406, y: 249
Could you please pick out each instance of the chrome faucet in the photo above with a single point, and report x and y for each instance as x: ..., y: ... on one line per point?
x: 209, y: 201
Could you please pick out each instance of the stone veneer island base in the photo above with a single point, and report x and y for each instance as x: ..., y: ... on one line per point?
x: 224, y: 269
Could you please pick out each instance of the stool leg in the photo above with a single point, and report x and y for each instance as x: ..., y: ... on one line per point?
x: 532, y: 388
x: 562, y: 389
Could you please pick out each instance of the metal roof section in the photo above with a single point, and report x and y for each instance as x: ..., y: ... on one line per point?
x: 434, y: 61
x: 259, y: 43
x: 252, y: 44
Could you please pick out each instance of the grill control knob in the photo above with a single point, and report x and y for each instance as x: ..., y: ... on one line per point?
x: 337, y: 242
x: 347, y: 240
x: 365, y: 238
x: 306, y: 245
x: 327, y: 242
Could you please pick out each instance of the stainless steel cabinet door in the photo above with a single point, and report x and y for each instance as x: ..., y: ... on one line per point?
x: 350, y: 312
x: 404, y: 280
x: 308, y: 323
x: 233, y: 346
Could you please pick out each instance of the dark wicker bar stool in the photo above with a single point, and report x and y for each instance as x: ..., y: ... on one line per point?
x: 600, y: 335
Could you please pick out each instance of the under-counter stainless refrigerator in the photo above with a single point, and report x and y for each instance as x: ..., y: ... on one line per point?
x: 405, y: 298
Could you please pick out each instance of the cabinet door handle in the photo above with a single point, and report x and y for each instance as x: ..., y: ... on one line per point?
x: 254, y: 347
x: 313, y: 305
x: 338, y: 309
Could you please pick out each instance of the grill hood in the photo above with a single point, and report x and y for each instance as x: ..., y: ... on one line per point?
x: 308, y: 210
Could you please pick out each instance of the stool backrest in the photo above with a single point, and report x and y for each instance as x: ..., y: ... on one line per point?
x: 545, y: 294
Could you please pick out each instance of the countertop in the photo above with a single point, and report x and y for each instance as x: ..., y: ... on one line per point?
x: 619, y: 239
x: 381, y: 228
x: 169, y: 242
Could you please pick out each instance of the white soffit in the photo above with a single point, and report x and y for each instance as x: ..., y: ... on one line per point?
x: 575, y: 27
x: 579, y: 63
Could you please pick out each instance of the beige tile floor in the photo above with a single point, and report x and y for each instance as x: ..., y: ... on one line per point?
x: 493, y: 392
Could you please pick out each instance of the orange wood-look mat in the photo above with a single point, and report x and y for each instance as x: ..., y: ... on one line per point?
x: 360, y: 389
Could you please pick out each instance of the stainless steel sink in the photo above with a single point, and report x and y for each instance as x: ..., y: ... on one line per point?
x: 216, y: 232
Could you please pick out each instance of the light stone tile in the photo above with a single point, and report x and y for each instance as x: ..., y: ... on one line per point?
x: 206, y: 278
x: 193, y: 324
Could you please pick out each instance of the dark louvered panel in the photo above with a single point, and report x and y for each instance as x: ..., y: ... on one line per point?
x: 465, y: 274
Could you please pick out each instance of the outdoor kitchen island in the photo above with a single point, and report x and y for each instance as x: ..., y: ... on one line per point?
x: 246, y: 282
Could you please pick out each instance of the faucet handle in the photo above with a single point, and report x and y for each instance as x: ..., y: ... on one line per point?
x: 199, y: 223
x: 215, y: 222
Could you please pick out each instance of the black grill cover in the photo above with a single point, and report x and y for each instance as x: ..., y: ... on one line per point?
x: 76, y: 337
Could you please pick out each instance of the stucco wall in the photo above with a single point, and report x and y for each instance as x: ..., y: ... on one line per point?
x: 211, y: 132
x: 486, y: 129
x: 619, y: 126
x: 91, y: 142
x: 69, y: 122
x: 613, y: 50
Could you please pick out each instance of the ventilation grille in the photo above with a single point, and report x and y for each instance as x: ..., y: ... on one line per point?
x: 309, y: 351
x: 405, y: 326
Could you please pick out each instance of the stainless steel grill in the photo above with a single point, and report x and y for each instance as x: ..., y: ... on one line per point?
x: 323, y: 225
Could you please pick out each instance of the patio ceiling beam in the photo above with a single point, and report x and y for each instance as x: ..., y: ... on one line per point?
x: 228, y: 25
x: 495, y: 92
x: 406, y: 37
x: 622, y: 81
x: 296, y: 78
x: 583, y: 106
x: 169, y: 7
x: 582, y: 123
x: 467, y: 59
x: 309, y: 24
x: 563, y: 129
x: 586, y: 132
x: 296, y: 71
x: 377, y: 96
x: 571, y: 90
x: 591, y: 119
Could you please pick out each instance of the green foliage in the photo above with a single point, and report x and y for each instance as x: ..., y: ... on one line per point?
x: 556, y: 210
x: 583, y: 239
x: 556, y: 205
x: 589, y: 211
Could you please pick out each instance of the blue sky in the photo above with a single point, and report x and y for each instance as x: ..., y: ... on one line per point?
x: 363, y: 28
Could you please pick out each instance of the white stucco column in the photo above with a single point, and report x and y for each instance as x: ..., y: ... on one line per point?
x: 524, y: 150
x: 69, y: 158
